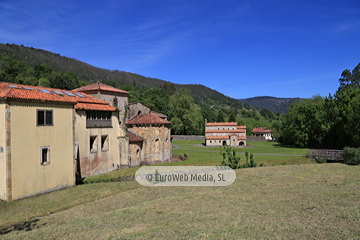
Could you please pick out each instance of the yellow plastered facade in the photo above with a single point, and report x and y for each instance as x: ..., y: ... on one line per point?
x: 28, y: 175
x: 2, y: 153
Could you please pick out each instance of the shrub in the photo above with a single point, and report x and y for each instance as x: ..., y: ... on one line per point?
x: 229, y: 157
x: 320, y: 160
x: 351, y: 155
x: 231, y: 160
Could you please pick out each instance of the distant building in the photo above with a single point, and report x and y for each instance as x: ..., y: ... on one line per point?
x: 262, y: 132
x: 221, y: 133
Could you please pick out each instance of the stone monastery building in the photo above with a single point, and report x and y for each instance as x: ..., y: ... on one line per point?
x: 50, y: 137
x: 221, y: 133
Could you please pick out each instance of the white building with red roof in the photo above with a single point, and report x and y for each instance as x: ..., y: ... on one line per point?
x: 262, y: 132
x: 221, y: 133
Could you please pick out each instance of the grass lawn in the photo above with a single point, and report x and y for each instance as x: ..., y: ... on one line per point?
x: 210, y: 156
x: 41, y: 205
x: 25, y: 209
x: 282, y: 202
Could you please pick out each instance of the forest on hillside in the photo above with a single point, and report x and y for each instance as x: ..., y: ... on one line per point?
x: 187, y: 106
x: 73, y: 72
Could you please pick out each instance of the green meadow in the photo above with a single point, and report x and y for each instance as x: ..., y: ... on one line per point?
x: 290, y: 198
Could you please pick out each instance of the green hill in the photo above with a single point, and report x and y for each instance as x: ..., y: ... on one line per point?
x: 273, y: 104
x: 119, y: 79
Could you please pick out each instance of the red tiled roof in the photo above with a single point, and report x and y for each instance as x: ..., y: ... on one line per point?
x: 96, y: 107
x: 222, y: 138
x: 160, y: 115
x: 43, y: 94
x: 261, y: 130
x: 222, y: 124
x: 133, y: 137
x: 241, y: 127
x: 147, y: 119
x: 100, y: 86
x: 225, y: 131
x: 217, y: 137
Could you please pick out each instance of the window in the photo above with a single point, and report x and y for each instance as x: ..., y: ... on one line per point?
x: 116, y: 102
x: 44, y: 117
x: 45, y: 155
x: 98, y: 115
x: 104, y: 143
x: 96, y: 119
x: 93, y: 144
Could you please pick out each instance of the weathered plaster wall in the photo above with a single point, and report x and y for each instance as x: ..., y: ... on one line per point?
x: 228, y: 142
x: 135, y: 108
x: 220, y: 128
x: 124, y: 151
x: 2, y: 153
x: 156, y: 145
x: 223, y: 134
x: 135, y: 154
x: 28, y: 175
x: 99, y: 160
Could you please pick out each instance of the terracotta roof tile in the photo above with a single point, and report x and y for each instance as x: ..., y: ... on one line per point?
x: 222, y: 124
x: 96, y: 107
x: 100, y: 86
x: 241, y: 127
x: 261, y: 130
x: 160, y: 115
x: 43, y: 94
x: 225, y: 131
x: 241, y: 138
x: 133, y: 137
x: 217, y: 137
x: 147, y: 119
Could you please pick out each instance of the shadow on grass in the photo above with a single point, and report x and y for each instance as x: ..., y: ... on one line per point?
x: 23, y: 226
x: 280, y: 145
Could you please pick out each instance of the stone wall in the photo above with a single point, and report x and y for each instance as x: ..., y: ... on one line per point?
x: 255, y: 139
x: 189, y: 137
x: 156, y: 147
x: 136, y: 109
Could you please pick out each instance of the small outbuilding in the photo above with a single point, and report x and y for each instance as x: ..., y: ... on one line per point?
x: 262, y: 132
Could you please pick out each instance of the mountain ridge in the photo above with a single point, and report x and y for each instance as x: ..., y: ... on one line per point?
x: 273, y: 104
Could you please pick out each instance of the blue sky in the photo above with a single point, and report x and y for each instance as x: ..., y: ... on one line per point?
x: 241, y: 48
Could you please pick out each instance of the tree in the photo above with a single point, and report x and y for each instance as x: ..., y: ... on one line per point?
x: 232, y: 117
x: 208, y: 113
x: 220, y: 117
x: 350, y: 77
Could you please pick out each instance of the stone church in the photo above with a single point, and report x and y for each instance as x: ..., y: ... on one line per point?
x: 221, y: 133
